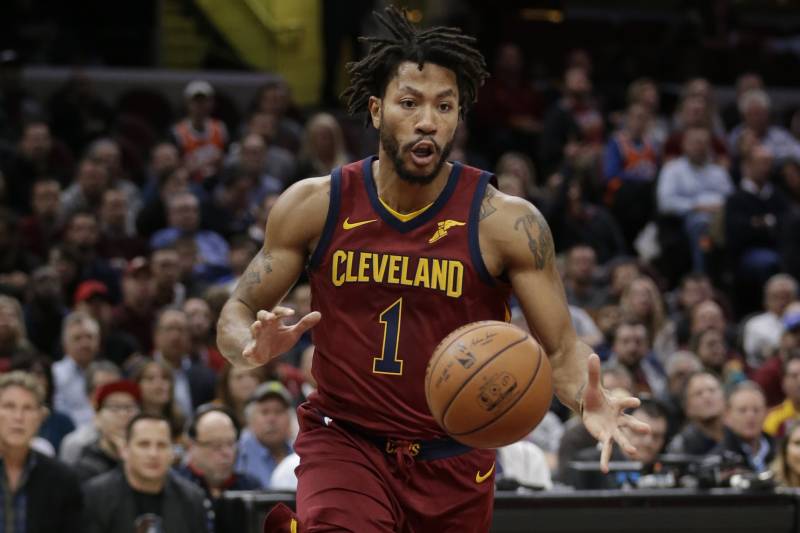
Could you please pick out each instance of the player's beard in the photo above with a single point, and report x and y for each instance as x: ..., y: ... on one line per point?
x: 394, y: 151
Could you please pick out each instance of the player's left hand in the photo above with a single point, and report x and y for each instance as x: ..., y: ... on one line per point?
x: 604, y: 416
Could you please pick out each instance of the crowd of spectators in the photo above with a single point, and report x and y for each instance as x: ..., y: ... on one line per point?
x: 122, y: 236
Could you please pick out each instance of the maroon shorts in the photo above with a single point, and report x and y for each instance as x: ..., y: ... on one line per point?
x: 347, y: 482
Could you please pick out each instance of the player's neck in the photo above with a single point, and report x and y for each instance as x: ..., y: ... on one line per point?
x: 400, y: 195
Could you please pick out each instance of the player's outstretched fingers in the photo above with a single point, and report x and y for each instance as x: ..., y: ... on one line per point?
x: 628, y: 402
x: 624, y: 443
x: 594, y: 370
x: 264, y: 316
x: 308, y: 322
x: 281, y: 311
x: 635, y: 425
x: 605, y: 454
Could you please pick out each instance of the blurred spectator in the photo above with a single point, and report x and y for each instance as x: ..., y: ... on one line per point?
x: 694, y: 113
x: 745, y: 82
x: 641, y: 301
x: 770, y: 374
x: 574, y: 220
x: 242, y: 251
x: 37, y: 156
x: 87, y: 188
x: 235, y: 386
x: 323, y: 147
x: 66, y: 261
x: 106, y: 151
x: 194, y: 381
x: 279, y: 162
x: 702, y: 88
x: 754, y: 216
x: 520, y: 165
x: 81, y: 341
x: 98, y: 374
x: 253, y: 161
x: 761, y: 333
x: 708, y: 314
x: 118, y: 239
x: 200, y: 138
x: 56, y: 425
x: 116, y: 403
x: 622, y: 270
x: 630, y: 169
x: 744, y: 417
x: 166, y: 275
x: 39, y: 230
x: 135, y: 314
x: 144, y: 495
x: 779, y: 416
x: 693, y: 289
x: 184, y: 220
x: 631, y: 348
x: 713, y: 351
x: 16, y: 262
x: 256, y: 230
x: 203, y: 333
x: 213, y: 439
x: 580, y: 278
x: 78, y: 113
x: 266, y: 440
x: 116, y: 345
x: 81, y: 234
x: 754, y: 106
x: 274, y: 98
x: 156, y: 382
x: 509, y: 109
x: 786, y: 465
x: 790, y: 181
x: 680, y: 365
x: 13, y: 334
x: 39, y: 493
x: 644, y: 91
x: 521, y: 463
x: 694, y: 189
x: 573, y: 128
x: 704, y: 404
x: 233, y: 205
x: 153, y: 215
x: 164, y: 159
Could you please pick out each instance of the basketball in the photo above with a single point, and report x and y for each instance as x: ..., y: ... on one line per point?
x: 488, y: 384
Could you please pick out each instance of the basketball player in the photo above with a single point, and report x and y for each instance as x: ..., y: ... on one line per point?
x: 401, y: 249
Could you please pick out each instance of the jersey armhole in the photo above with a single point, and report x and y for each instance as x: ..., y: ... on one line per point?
x: 330, y: 220
x: 474, y: 243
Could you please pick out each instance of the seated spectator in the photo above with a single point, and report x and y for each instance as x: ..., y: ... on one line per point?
x: 184, y: 220
x: 762, y: 332
x: 279, y: 162
x: 680, y: 365
x: 44, y: 310
x: 323, y: 147
x: 274, y: 99
x: 754, y: 105
x: 641, y: 300
x: 580, y: 278
x: 745, y: 412
x: 135, y: 314
x: 116, y: 403
x: 156, y: 381
x: 56, y: 425
x: 118, y: 239
x: 779, y: 416
x: 283, y: 477
x: 153, y: 215
x: 524, y: 464
x: 754, y: 218
x: 107, y: 151
x: 233, y: 203
x: 242, y: 250
x: 16, y: 262
x: 253, y: 160
x: 81, y: 342
x: 13, y: 334
x: 200, y: 138
x: 194, y: 381
x: 213, y: 438
x: 144, y: 495
x: 711, y: 348
x: 786, y: 465
x: 265, y: 441
x: 81, y: 236
x: 165, y: 267
x: 98, y: 374
x: 769, y: 376
x: 87, y: 188
x: 704, y: 404
x: 694, y: 189
x: 40, y: 494
x: 644, y: 91
x: 745, y: 82
x: 91, y: 297
x: 203, y: 333
x: 39, y: 230
x: 632, y: 349
x: 235, y: 386
x: 694, y: 113
x: 630, y: 168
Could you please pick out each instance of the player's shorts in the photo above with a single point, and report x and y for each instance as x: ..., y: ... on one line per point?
x: 350, y: 481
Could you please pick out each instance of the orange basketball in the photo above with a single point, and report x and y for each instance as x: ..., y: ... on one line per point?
x: 488, y: 384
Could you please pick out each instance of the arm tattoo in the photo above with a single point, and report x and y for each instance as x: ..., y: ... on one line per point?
x: 540, y: 241
x: 260, y: 263
x: 486, y: 206
x: 267, y: 262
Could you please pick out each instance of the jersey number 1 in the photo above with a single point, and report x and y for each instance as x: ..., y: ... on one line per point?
x: 388, y: 363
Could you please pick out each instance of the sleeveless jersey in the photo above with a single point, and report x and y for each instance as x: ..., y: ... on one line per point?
x: 389, y: 292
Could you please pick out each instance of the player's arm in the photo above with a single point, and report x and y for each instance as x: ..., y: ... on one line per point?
x: 250, y: 331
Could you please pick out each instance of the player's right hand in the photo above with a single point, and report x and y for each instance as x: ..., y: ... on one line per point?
x: 271, y: 337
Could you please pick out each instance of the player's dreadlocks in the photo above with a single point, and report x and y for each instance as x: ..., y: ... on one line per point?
x: 446, y: 47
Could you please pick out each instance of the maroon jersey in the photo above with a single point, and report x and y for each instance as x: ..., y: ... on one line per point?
x: 389, y: 291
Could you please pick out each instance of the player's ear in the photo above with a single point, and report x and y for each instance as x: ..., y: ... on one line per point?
x: 375, y: 111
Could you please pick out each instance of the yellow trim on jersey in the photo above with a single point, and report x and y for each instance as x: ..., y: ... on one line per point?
x: 404, y: 217
x: 293, y: 526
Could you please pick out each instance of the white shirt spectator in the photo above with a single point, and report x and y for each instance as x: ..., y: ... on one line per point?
x: 779, y: 141
x: 70, y: 397
x: 762, y: 334
x: 682, y: 186
x: 283, y: 477
x: 525, y: 463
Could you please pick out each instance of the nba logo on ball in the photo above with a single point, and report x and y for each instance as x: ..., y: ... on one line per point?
x: 488, y: 384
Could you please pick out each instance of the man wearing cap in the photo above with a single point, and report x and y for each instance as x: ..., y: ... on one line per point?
x: 200, y: 138
x: 80, y: 338
x: 117, y: 403
x: 266, y: 440
x: 135, y: 314
x: 91, y: 297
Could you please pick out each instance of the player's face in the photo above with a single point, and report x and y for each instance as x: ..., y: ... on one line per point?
x: 417, y: 119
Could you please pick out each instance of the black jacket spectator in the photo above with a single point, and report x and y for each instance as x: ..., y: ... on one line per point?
x: 111, y: 505
x: 93, y: 462
x: 691, y: 441
x: 732, y: 443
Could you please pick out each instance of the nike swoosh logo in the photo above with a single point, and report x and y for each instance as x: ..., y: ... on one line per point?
x: 350, y: 225
x: 481, y: 478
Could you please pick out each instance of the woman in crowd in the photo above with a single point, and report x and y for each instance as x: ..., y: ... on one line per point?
x: 323, y: 147
x: 786, y: 465
x: 13, y: 335
x: 712, y: 349
x: 235, y: 386
x: 156, y: 381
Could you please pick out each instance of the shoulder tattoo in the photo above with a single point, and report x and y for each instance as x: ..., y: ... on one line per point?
x: 540, y: 241
x: 487, y: 208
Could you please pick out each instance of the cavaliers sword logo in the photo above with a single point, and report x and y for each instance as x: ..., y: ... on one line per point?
x: 441, y: 231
